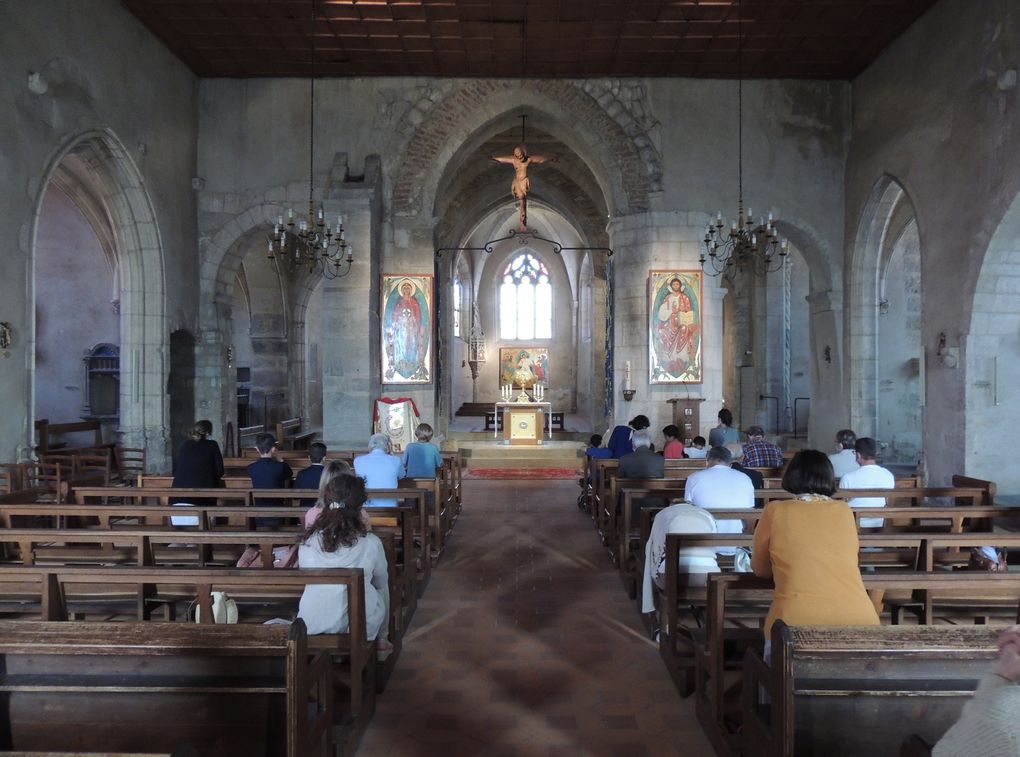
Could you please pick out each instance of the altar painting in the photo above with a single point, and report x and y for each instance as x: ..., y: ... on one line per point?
x: 674, y: 328
x: 523, y: 366
x: 406, y: 329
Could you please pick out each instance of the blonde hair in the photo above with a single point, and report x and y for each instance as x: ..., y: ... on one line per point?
x: 330, y: 470
x: 423, y: 433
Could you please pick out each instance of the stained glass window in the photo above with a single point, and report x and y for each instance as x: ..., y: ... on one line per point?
x: 525, y: 299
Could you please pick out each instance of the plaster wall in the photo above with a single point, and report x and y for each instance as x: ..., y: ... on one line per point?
x: 91, y: 84
x: 937, y: 112
x: 70, y: 268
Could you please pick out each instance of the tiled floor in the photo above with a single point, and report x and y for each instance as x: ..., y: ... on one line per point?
x: 525, y: 644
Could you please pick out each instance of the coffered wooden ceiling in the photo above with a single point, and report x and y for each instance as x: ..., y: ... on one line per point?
x: 818, y: 39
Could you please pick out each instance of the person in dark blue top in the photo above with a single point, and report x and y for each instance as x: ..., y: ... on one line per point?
x: 199, y: 463
x: 309, y: 477
x: 619, y: 443
x: 268, y: 472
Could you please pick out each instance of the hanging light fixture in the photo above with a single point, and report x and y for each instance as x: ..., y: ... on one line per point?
x: 747, y: 244
x: 311, y: 242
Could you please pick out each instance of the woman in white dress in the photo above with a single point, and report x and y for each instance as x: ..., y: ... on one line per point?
x: 338, y: 539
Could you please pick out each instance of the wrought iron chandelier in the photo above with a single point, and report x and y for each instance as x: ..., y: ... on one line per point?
x: 747, y: 245
x: 311, y: 242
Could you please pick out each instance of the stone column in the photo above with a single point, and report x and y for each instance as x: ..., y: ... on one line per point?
x: 660, y: 240
x: 829, y: 411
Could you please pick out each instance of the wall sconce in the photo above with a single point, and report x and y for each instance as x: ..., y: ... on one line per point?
x: 6, y: 338
x: 827, y: 354
x: 628, y: 394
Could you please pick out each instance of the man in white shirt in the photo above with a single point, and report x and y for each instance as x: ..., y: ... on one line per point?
x: 845, y: 459
x: 721, y: 487
x: 868, y: 476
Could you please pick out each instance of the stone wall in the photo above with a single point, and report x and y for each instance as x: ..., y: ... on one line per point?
x: 936, y: 113
x: 129, y: 108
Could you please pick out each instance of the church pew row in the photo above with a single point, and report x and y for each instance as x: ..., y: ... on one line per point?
x: 442, y: 506
x: 916, y: 552
x: 632, y: 542
x: 628, y: 529
x: 138, y: 686
x: 728, y: 589
x: 245, y: 498
x: 64, y: 590
x: 151, y: 537
x: 833, y: 688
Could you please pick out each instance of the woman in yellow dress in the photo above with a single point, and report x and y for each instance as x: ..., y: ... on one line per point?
x: 809, y: 546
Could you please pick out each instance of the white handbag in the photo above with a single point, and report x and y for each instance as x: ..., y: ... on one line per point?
x: 224, y: 609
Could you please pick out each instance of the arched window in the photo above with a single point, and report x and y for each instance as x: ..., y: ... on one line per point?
x: 525, y: 299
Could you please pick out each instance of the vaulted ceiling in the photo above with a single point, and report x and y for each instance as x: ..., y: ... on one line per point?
x: 817, y: 39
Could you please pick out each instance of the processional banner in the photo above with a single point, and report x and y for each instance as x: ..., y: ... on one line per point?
x: 406, y: 329
x: 674, y: 327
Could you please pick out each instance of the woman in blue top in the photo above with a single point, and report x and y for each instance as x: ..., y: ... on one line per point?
x: 619, y: 441
x: 421, y: 458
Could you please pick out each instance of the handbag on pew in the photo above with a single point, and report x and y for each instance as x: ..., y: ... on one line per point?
x: 224, y: 609
x: 283, y: 557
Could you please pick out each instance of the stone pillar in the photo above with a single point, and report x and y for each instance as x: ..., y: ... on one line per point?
x: 829, y: 411
x: 660, y: 240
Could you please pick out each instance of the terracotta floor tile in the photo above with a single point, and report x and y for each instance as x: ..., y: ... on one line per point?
x: 528, y: 645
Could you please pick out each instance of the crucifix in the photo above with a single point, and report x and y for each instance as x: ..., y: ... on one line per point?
x: 521, y: 184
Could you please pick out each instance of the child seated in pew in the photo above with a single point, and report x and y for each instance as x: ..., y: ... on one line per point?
x: 311, y: 477
x: 421, y: 458
x: 697, y: 450
x: 269, y: 472
x: 673, y: 449
x: 338, y: 539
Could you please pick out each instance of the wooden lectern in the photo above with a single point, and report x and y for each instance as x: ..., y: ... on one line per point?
x: 523, y: 423
x: 687, y: 418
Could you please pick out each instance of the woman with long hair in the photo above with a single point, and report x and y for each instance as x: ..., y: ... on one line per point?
x: 338, y: 539
x: 809, y: 545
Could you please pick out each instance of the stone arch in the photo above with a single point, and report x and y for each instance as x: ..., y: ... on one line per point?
x: 992, y: 350
x: 596, y: 123
x: 119, y: 185
x: 881, y: 219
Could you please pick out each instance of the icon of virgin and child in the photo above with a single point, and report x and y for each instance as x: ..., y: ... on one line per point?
x: 407, y: 332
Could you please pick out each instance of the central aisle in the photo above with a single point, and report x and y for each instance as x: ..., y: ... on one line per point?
x: 525, y: 644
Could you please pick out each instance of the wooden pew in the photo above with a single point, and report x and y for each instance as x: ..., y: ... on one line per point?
x: 833, y: 688
x: 45, y: 430
x: 60, y: 590
x: 290, y: 434
x: 711, y: 662
x: 677, y: 640
x: 394, y: 525
x: 129, y: 686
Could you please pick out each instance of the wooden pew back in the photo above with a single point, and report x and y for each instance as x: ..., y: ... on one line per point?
x: 831, y: 686
x: 137, y: 687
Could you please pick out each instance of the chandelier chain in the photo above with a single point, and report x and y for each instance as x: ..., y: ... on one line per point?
x: 311, y: 243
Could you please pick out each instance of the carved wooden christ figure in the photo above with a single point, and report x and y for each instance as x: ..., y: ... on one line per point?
x: 521, y: 184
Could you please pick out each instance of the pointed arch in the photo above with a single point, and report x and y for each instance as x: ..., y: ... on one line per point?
x: 118, y: 184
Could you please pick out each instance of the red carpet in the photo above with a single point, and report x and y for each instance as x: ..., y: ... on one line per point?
x: 533, y: 473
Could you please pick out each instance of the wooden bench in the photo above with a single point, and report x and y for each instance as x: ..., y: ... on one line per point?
x: 830, y: 690
x: 60, y: 590
x: 45, y: 430
x: 712, y: 663
x: 129, y: 686
x: 291, y: 434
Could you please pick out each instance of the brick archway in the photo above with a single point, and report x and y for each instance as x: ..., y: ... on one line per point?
x: 595, y: 121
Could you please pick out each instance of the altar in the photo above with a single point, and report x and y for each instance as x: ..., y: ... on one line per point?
x: 523, y: 422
